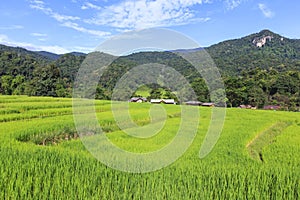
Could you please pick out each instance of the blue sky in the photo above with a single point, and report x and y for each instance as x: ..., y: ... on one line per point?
x: 62, y: 26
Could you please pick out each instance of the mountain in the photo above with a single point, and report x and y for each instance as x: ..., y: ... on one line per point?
x: 187, y: 50
x: 78, y: 53
x: 53, y: 56
x: 24, y: 52
x: 39, y: 55
x: 263, y: 50
x: 49, y: 55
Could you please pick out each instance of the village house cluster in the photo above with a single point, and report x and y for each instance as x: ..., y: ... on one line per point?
x: 170, y: 101
x: 197, y: 103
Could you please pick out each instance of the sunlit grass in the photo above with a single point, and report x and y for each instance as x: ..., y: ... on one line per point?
x: 63, y: 168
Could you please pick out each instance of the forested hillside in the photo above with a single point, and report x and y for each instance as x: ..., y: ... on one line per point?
x: 259, y: 69
x: 235, y: 56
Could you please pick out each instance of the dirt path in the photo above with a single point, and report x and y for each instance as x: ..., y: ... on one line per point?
x: 263, y: 139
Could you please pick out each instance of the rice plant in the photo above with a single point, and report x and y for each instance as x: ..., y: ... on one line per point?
x: 33, y: 167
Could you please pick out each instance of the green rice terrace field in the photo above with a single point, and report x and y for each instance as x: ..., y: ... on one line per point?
x: 41, y: 156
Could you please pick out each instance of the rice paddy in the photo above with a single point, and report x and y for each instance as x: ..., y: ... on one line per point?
x: 42, y: 157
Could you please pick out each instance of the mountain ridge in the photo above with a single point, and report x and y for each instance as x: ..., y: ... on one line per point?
x: 38, y: 54
x: 264, y: 32
x: 264, y: 49
x: 243, y: 53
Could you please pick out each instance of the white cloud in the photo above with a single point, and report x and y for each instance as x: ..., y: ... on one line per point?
x: 76, y: 27
x: 83, y: 49
x: 40, y: 2
x: 144, y: 14
x: 42, y: 39
x: 54, y: 49
x: 66, y: 20
x: 266, y: 11
x: 88, y: 5
x: 40, y: 5
x: 12, y: 27
x: 232, y: 4
x: 39, y: 34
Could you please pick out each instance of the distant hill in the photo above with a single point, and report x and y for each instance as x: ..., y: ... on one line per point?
x: 53, y: 56
x: 49, y: 55
x: 24, y: 52
x: 78, y: 54
x: 234, y: 56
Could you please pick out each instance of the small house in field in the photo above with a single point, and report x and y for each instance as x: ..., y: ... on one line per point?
x: 165, y: 101
x: 168, y: 101
x: 208, y: 104
x: 157, y: 101
x: 138, y: 99
x: 246, y: 107
x: 272, y: 107
x: 193, y: 103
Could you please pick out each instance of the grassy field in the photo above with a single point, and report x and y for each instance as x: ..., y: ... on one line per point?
x: 41, y: 157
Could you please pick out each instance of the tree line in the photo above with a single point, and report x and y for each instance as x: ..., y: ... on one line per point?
x: 257, y: 87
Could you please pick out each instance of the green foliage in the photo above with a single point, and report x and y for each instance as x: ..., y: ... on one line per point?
x: 256, y: 96
x: 68, y: 64
x: 143, y: 91
x: 156, y: 93
x: 260, y: 87
x: 169, y: 95
x: 200, y: 89
x: 6, y: 84
x: 32, y: 73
